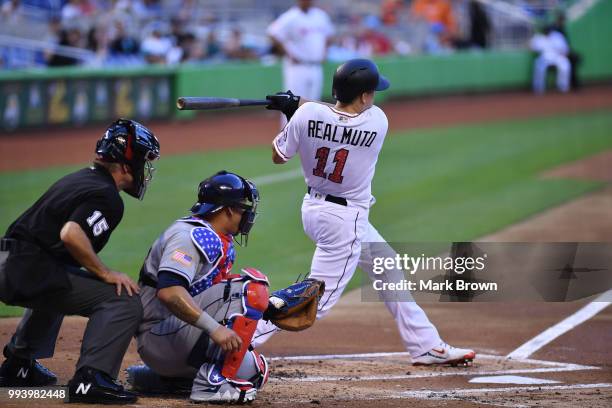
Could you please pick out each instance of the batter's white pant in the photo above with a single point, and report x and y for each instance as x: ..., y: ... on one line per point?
x: 342, y: 235
x: 541, y: 65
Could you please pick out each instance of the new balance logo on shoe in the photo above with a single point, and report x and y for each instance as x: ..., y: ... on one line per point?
x: 83, y: 389
x: 23, y: 372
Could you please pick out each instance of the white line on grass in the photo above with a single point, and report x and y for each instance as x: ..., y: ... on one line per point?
x: 562, y: 327
x: 277, y: 177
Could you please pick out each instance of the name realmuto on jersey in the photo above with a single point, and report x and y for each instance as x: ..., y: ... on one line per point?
x: 340, y: 134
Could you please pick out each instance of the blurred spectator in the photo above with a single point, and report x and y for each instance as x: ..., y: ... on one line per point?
x: 574, y: 58
x: 390, y: 10
x: 146, y: 10
x: 72, y: 11
x: 158, y: 49
x: 479, y: 25
x: 98, y: 42
x: 178, y: 30
x: 123, y: 44
x: 53, y: 37
x: 479, y: 28
x: 439, y: 15
x: 192, y: 49
x: 71, y: 38
x: 343, y: 48
x: 235, y: 49
x: 552, y: 50
x: 373, y: 39
x: 213, y: 47
x: 10, y: 11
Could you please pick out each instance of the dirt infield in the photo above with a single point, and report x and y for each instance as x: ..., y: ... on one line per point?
x: 577, y: 365
x: 220, y: 130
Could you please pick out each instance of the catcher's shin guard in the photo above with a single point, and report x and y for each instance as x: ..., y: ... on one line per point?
x: 254, y: 303
x: 255, y: 369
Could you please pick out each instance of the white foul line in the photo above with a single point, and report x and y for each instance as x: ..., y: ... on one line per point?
x: 479, y: 356
x: 562, y: 327
x: 444, y: 394
x: 551, y: 367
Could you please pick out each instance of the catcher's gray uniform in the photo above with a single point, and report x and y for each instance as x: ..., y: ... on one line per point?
x: 171, y: 347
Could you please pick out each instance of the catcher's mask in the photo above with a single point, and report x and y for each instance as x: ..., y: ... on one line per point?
x: 226, y: 189
x: 127, y: 141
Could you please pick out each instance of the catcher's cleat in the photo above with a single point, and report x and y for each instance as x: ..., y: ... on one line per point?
x: 146, y: 381
x: 445, y: 354
x: 216, y: 389
x: 20, y: 372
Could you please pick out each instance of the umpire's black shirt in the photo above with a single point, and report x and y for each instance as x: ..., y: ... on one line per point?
x: 88, y: 197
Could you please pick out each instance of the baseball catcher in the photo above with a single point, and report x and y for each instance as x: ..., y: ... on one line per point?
x: 199, y: 318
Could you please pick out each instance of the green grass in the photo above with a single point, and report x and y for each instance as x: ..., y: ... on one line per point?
x: 443, y: 184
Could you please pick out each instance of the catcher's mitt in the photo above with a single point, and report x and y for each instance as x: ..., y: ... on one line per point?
x: 297, y: 308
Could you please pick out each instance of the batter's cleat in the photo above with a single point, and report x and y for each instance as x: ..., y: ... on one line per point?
x: 216, y: 389
x: 445, y: 354
x: 91, y: 386
x: 21, y: 372
x: 146, y: 381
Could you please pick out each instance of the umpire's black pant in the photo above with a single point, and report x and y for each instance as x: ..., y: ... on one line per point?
x: 113, y: 321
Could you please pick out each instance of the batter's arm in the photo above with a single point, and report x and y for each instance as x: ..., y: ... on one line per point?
x: 181, y: 304
x: 276, y: 158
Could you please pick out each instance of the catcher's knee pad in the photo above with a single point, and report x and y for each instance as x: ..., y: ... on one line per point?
x: 254, y: 303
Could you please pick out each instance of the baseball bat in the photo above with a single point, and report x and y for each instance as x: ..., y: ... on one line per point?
x: 209, y: 103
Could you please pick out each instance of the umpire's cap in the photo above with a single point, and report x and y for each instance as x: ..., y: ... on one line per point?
x: 356, y: 76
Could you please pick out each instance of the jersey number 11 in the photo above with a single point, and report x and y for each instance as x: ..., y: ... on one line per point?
x: 340, y: 160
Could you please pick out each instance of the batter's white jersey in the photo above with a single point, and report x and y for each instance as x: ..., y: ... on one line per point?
x: 338, y: 150
x: 303, y: 34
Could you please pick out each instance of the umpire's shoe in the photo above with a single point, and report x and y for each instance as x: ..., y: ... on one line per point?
x: 91, y: 386
x: 22, y: 372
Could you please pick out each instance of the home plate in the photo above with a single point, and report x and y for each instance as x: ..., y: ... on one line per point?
x: 510, y: 379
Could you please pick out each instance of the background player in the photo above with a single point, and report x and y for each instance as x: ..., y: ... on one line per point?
x: 189, y: 297
x: 301, y: 35
x: 54, y: 270
x: 338, y: 147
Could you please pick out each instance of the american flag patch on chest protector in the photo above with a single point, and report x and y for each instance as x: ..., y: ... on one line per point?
x: 182, y: 258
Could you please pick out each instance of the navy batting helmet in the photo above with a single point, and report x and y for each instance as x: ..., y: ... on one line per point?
x: 127, y: 141
x: 226, y: 189
x: 356, y: 76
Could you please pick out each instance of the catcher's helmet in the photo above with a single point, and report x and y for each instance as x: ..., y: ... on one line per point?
x: 226, y: 189
x: 127, y: 141
x: 356, y: 76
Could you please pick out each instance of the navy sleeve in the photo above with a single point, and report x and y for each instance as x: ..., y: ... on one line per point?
x: 166, y: 279
x: 98, y: 216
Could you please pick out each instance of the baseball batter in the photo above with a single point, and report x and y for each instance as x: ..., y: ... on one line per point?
x: 199, y: 319
x: 301, y: 34
x: 338, y: 146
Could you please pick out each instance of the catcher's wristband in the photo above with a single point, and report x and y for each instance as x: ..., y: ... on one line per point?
x: 206, y: 323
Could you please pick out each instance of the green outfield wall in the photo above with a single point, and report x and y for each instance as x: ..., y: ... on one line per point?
x: 73, y: 96
x: 76, y: 96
